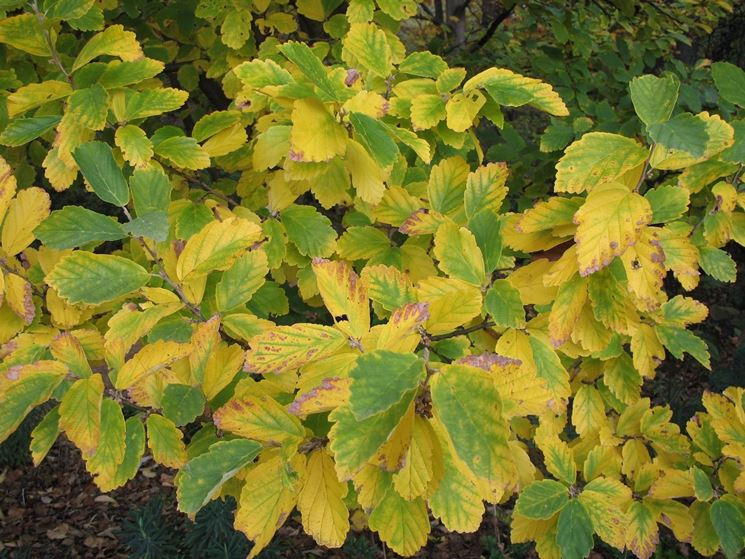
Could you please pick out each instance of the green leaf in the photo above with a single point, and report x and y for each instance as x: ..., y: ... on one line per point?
x: 504, y: 305
x: 684, y: 132
x: 152, y: 102
x: 80, y: 413
x: 549, y: 368
x: 423, y: 64
x: 303, y: 57
x: 152, y: 225
x: 730, y: 81
x: 133, y: 142
x: 309, y: 231
x: 151, y: 191
x: 366, y: 44
x: 542, y: 499
x: 111, y: 446
x: 668, y: 202
x: 574, y: 531
x: 654, y: 98
x: 203, y: 476
x: 718, y: 264
x: 241, y: 280
x: 24, y: 32
x: 728, y: 517
x: 44, y: 435
x: 181, y: 403
x: 458, y: 254
x: 89, y: 107
x: 597, y: 158
x: 679, y: 341
x: 487, y: 229
x: 165, y: 441
x: 702, y: 484
x: 74, y: 226
x: 120, y: 74
x: 23, y: 395
x: 84, y: 277
x: 134, y: 448
x: 20, y: 131
x: 374, y: 138
x: 467, y: 403
x: 354, y: 442
x: 183, y: 152
x: 97, y: 163
x: 213, y: 123
x: 380, y: 379
x: 402, y: 524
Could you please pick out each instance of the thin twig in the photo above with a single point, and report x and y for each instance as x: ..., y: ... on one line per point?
x: 41, y: 18
x: 644, y: 169
x: 162, y: 273
x: 462, y: 331
x: 204, y: 186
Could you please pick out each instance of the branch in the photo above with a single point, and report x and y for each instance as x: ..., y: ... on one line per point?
x: 48, y: 39
x: 462, y: 331
x: 204, y: 186
x: 493, y: 28
x: 162, y: 273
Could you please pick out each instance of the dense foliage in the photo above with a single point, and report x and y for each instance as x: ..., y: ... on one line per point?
x: 294, y: 270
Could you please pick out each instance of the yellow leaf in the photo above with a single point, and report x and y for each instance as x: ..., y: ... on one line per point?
x: 458, y: 254
x: 344, y: 294
x: 113, y: 41
x: 642, y: 534
x: 452, y: 303
x: 135, y: 145
x: 522, y: 391
x: 216, y: 246
x: 566, y: 309
x: 267, y: 498
x: 27, y: 210
x: 259, y: 417
x: 462, y: 109
x: 528, y: 280
x: 645, y: 270
x: 226, y: 141
x: 321, y: 501
x: 596, y: 159
x: 412, y: 479
x: 402, y: 524
x: 588, y: 410
x: 609, y: 221
x: 225, y: 361
x: 150, y: 359
x: 368, y: 178
x: 647, y: 350
x: 315, y: 136
x: 7, y: 187
x: 165, y: 441
x: 80, y: 413
x: 514, y: 90
x: 326, y: 396
x: 289, y: 347
x: 19, y: 297
x: 457, y: 500
x: 400, y: 333
x: 607, y: 500
x: 103, y: 465
x: 204, y: 339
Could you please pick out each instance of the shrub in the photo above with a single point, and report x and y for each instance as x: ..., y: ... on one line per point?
x: 306, y: 288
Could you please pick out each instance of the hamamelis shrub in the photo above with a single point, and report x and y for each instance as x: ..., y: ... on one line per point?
x: 316, y: 299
